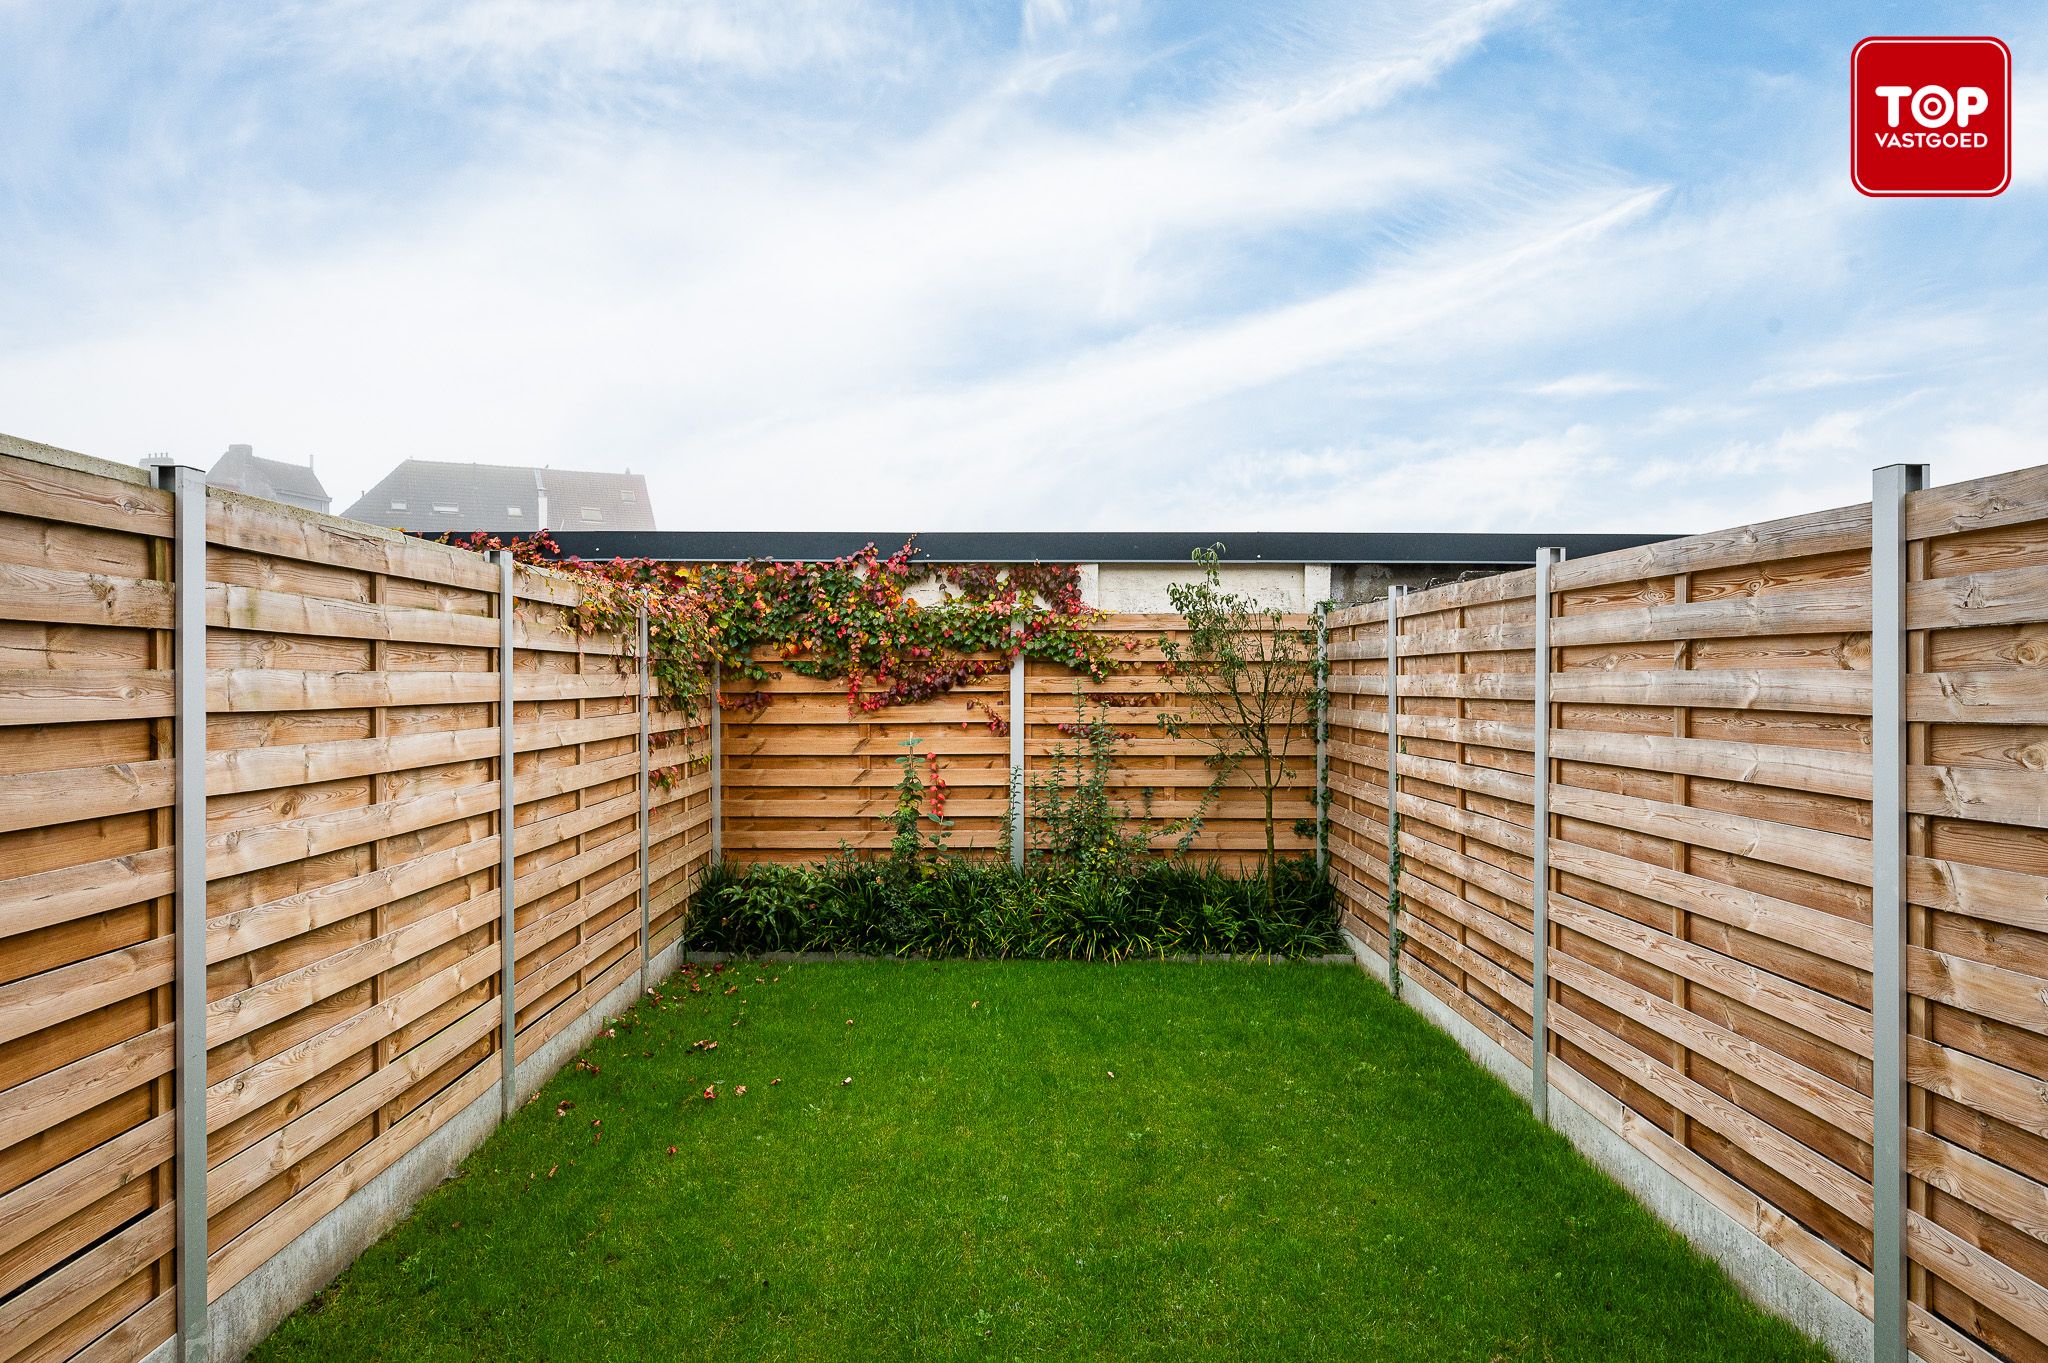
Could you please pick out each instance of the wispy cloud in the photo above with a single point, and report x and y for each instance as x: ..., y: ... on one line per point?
x: 1592, y: 385
x: 1083, y: 264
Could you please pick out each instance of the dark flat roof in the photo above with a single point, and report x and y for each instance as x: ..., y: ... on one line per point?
x: 1088, y: 546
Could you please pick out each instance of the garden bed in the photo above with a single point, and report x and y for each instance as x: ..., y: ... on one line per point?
x: 1030, y: 1160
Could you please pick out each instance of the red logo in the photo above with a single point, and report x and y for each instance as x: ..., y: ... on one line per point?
x: 1930, y: 117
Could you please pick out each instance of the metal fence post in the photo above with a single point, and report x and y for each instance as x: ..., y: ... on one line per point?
x: 1539, y: 828
x: 508, y: 1039
x: 187, y: 487
x: 646, y: 704
x: 1017, y: 761
x: 1889, y: 486
x: 1322, y: 699
x: 717, y: 769
x: 1394, y: 595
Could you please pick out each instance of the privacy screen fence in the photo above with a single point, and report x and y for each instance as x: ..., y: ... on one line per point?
x: 1728, y: 785
x: 1698, y: 728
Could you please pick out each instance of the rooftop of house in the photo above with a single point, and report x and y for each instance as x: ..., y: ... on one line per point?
x: 243, y: 470
x: 433, y: 496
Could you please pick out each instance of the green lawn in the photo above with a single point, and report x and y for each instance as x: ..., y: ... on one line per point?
x: 1032, y: 1160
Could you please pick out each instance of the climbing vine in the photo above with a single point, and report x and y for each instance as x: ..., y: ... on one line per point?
x: 853, y: 619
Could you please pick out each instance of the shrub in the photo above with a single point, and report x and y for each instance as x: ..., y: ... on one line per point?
x: 953, y: 907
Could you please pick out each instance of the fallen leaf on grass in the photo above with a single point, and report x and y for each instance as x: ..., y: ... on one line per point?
x: 671, y: 1150
x: 551, y: 1170
x: 740, y: 1090
x: 847, y: 1080
x: 773, y: 1082
x: 564, y: 1106
x: 710, y: 1092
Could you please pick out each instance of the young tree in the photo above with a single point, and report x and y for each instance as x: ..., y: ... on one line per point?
x: 1249, y: 678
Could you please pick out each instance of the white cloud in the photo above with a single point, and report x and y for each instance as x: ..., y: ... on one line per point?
x: 545, y: 39
x: 1590, y: 385
x: 1311, y: 293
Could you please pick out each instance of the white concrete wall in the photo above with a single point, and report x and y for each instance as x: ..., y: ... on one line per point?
x: 1141, y: 587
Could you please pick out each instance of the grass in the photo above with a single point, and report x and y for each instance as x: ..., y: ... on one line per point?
x: 1033, y: 1160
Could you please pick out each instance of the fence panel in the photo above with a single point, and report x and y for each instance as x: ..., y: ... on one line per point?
x: 1711, y: 855
x: 1977, y: 884
x: 350, y: 800
x: 1357, y: 778
x: 1466, y: 740
x: 1710, y: 891
x: 86, y: 932
x: 353, y: 978
x: 807, y: 774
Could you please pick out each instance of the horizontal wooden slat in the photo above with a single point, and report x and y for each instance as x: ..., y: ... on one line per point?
x: 275, y: 612
x: 1996, y: 597
x: 268, y: 689
x: 81, y: 696
x: 1993, y: 795
x: 1817, y: 610
x: 1825, y: 691
x: 59, y: 596
x: 68, y: 496
x: 1836, y: 530
x: 1764, y: 764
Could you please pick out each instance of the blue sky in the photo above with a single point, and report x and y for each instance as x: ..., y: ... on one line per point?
x: 1055, y: 264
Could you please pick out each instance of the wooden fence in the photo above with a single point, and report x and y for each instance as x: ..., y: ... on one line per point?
x: 1708, y: 945
x: 804, y: 776
x: 352, y: 917
x: 1707, y: 910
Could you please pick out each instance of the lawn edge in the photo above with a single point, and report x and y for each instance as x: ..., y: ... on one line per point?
x: 245, y: 1315
x: 1763, y: 1275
